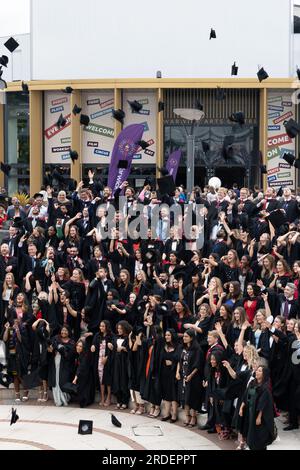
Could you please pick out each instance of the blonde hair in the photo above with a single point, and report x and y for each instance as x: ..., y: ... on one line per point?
x: 252, y: 355
x: 219, y: 285
x: 5, y: 286
x: 256, y: 325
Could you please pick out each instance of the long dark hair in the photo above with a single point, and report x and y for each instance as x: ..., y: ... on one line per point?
x: 173, y: 335
x: 107, y: 327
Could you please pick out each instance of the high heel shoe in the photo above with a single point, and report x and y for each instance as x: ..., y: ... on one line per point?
x: 193, y: 422
x: 173, y: 420
x: 45, y: 397
x: 166, y: 418
x: 187, y: 421
x: 156, y: 413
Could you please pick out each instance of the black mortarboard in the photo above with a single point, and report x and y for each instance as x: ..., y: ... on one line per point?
x: 4, y: 60
x: 118, y: 114
x: 234, y: 69
x: 151, y: 255
x: 115, y: 421
x: 298, y: 72
x: 161, y: 106
x: 297, y: 163
x: 279, y: 192
x: 205, y: 146
x: 289, y: 158
x: 76, y: 110
x: 84, y: 119
x: 61, y: 121
x: 212, y: 34
x: 37, y: 195
x: 68, y: 89
x: 85, y: 427
x: 199, y: 105
x: 14, y: 417
x: 277, y: 218
x: 263, y: 169
x: 135, y: 106
x: 25, y: 87
x: 123, y: 164
x: 143, y: 144
x: 195, y: 271
x: 5, y: 168
x: 166, y: 185
x: 292, y: 128
x: 4, y: 380
x: 238, y: 117
x: 18, y: 222
x: 262, y: 74
x: 163, y: 171
x: 220, y: 94
x: 179, y: 274
x: 11, y: 44
x: 73, y: 155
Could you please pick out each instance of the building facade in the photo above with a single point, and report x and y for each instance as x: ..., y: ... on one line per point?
x: 33, y: 144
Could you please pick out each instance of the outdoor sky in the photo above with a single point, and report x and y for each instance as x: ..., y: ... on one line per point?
x: 15, y: 17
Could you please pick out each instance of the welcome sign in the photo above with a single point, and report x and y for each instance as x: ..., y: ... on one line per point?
x: 280, y: 173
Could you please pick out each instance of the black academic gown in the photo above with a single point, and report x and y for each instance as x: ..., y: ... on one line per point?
x: 85, y: 379
x: 167, y: 377
x: 259, y: 398
x: 120, y: 382
x: 108, y: 367
x: 191, y: 393
x: 150, y: 384
x: 67, y: 363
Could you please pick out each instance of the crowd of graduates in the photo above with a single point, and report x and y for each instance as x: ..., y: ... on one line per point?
x: 213, y: 329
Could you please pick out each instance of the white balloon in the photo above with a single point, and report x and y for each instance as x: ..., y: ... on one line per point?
x: 215, y: 182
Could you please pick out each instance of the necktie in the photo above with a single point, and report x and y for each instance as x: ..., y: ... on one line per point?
x: 34, y: 222
x: 33, y: 262
x: 286, y: 309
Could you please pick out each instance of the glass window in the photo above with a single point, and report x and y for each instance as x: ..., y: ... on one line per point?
x: 17, y: 141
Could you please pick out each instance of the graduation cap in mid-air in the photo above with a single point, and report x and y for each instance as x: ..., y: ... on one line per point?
x: 5, y: 168
x: 61, y: 121
x: 262, y: 74
x: 76, y: 110
x: 68, y: 90
x: 25, y: 87
x: 135, y: 106
x: 238, y: 117
x: 115, y: 421
x: 161, y: 106
x: 277, y: 218
x: 212, y: 34
x: 234, y: 69
x: 11, y: 44
x: 263, y: 169
x: 119, y: 115
x: 14, y: 417
x: 163, y: 171
x: 227, y: 149
x: 143, y: 144
x: 166, y: 185
x: 18, y: 222
x: 84, y: 120
x: 279, y: 192
x: 123, y: 164
x: 292, y: 128
x: 73, y: 155
x: 4, y: 60
x: 289, y: 158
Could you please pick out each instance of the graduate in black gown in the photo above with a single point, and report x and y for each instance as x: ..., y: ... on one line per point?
x: 103, y: 361
x: 150, y: 384
x: 61, y: 365
x: 169, y: 385
x: 190, y: 372
x: 120, y: 382
x: 84, y: 376
x: 258, y: 412
x: 135, y: 364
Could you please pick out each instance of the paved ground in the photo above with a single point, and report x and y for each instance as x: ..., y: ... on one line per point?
x: 49, y: 427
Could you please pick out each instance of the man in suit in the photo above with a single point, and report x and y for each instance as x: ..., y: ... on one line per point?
x: 34, y: 221
x: 12, y: 240
x: 94, y: 264
x: 288, y: 307
x: 269, y: 203
x: 15, y: 210
x: 290, y: 206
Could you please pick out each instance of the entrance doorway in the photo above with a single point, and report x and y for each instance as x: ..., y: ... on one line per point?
x: 230, y: 175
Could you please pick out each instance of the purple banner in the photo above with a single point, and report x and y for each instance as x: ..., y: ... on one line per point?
x: 124, y: 149
x: 173, y: 163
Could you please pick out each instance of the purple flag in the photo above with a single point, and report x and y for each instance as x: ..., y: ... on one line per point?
x: 173, y: 163
x: 124, y: 149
